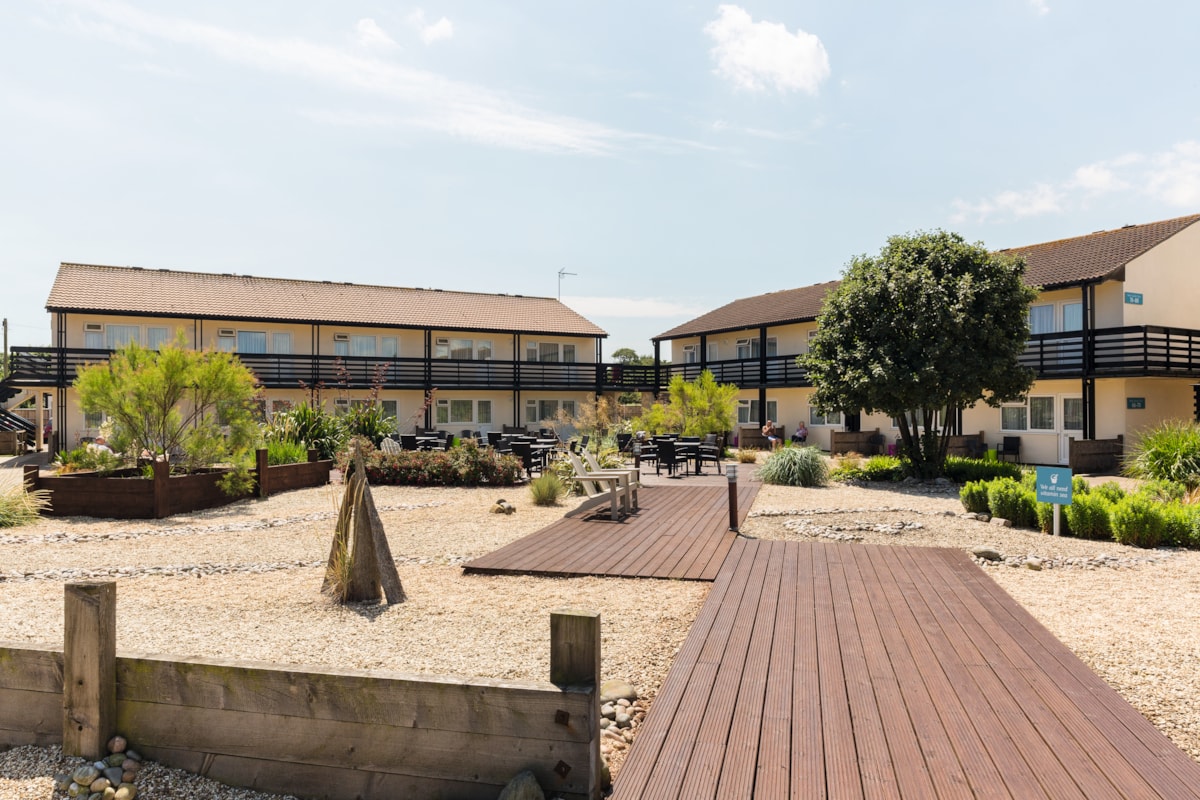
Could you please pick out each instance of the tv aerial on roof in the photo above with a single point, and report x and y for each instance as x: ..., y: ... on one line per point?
x: 562, y: 272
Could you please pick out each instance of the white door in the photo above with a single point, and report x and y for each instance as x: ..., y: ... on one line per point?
x: 1071, y: 427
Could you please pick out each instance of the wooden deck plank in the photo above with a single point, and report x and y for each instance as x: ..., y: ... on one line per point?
x: 984, y: 777
x: 1122, y: 743
x: 808, y: 741
x: 772, y: 770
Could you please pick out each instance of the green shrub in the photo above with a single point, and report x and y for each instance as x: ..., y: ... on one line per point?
x: 1169, y: 451
x: 285, y: 452
x: 1137, y: 520
x: 1087, y: 516
x: 747, y: 456
x: 313, y: 427
x: 19, y: 507
x: 1010, y: 500
x: 546, y: 489
x: 1163, y: 491
x: 965, y: 470
x: 795, y: 466
x: 368, y: 421
x: 83, y: 458
x: 1045, y: 519
x: 1110, y: 491
x: 466, y: 465
x: 974, y: 497
x: 883, y: 468
x: 1177, y: 524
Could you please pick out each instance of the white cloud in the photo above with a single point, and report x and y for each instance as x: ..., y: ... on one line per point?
x: 371, y: 35
x: 1171, y: 177
x: 761, y: 55
x: 1040, y: 6
x: 630, y: 307
x: 430, y: 33
x: 409, y: 98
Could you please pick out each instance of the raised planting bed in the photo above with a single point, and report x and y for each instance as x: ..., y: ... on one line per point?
x: 128, y: 495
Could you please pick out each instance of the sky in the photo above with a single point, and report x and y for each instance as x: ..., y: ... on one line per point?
x: 664, y: 157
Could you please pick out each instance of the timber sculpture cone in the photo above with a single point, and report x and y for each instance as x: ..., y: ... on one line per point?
x: 360, y: 561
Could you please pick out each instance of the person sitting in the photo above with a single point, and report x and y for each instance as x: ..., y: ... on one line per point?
x: 800, y: 435
x: 772, y: 437
x: 99, y: 445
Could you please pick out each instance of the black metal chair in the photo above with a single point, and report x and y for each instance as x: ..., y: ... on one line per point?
x: 530, y: 458
x: 408, y: 441
x: 1010, y: 448
x: 668, y: 456
x: 623, y: 440
x: 709, y: 451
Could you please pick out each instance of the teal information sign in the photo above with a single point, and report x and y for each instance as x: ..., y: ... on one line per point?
x: 1133, y: 298
x: 1135, y: 402
x: 1054, y: 485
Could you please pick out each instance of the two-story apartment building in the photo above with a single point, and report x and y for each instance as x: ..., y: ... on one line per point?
x: 1114, y: 341
x: 493, y: 359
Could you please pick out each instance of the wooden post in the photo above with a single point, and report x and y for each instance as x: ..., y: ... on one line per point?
x: 313, y: 456
x: 29, y: 476
x: 575, y: 661
x: 731, y: 476
x: 162, y: 489
x: 574, y: 647
x: 260, y: 468
x: 89, y: 668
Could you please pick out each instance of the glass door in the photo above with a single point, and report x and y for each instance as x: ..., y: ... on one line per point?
x: 1072, y: 425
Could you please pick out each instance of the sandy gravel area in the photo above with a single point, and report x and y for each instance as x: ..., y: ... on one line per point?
x: 243, y: 582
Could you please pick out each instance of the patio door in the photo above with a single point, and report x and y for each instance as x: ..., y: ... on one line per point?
x: 1071, y: 427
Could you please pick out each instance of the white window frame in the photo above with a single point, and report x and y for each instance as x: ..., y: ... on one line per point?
x: 832, y: 419
x: 1028, y: 406
x: 750, y: 348
x: 157, y: 336
x: 691, y: 354
x: 713, y: 351
x: 747, y: 411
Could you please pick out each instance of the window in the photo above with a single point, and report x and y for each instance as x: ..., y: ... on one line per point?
x: 117, y: 336
x: 712, y: 351
x: 156, y: 337
x: 691, y: 354
x: 463, y: 411
x: 281, y: 343
x: 252, y: 341
x: 832, y: 418
x: 389, y: 347
x: 93, y: 419
x: 750, y: 348
x: 341, y: 347
x: 1072, y: 316
x: 1041, y: 319
x: 1073, y: 413
x: 483, y: 352
x: 531, y: 351
x: 226, y: 343
x: 548, y: 351
x: 1036, y: 414
x: 747, y: 412
x: 362, y: 346
x: 93, y: 340
x: 537, y: 411
x: 568, y: 353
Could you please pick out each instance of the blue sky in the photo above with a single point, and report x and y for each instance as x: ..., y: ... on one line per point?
x: 673, y: 156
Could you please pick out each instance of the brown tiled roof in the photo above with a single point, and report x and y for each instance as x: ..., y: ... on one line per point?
x: 773, y: 308
x: 133, y: 290
x: 1065, y: 262
x: 1096, y: 256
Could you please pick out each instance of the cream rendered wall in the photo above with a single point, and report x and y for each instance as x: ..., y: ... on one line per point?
x: 1166, y: 278
x: 1166, y: 398
x: 76, y: 335
x: 1110, y: 305
x: 790, y: 340
x: 1110, y: 408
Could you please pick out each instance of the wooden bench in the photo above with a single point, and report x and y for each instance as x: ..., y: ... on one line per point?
x: 751, y: 437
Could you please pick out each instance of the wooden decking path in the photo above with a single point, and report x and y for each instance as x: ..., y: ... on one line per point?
x: 854, y: 671
x: 679, y: 532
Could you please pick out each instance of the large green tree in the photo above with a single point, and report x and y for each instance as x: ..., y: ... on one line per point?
x: 694, y: 408
x: 928, y: 327
x: 174, y: 400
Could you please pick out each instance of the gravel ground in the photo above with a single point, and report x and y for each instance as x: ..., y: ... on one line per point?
x: 242, y: 582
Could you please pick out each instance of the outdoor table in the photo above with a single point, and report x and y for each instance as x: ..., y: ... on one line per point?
x: 689, y: 450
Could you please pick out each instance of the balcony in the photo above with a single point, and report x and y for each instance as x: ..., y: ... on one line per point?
x: 1135, y: 351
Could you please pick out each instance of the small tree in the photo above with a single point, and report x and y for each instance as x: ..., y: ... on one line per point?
x: 694, y: 407
x: 174, y: 399
x: 931, y: 325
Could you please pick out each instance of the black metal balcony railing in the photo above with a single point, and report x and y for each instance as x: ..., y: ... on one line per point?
x: 1143, y: 350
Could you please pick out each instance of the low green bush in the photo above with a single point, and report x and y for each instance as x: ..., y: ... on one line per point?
x: 964, y: 470
x: 1177, y: 524
x: 101, y: 460
x: 1137, y: 520
x: 1163, y: 491
x: 974, y: 497
x: 1087, y: 516
x: 795, y: 466
x: 465, y: 465
x: 1010, y: 500
x: 1045, y: 519
x: 280, y: 451
x: 546, y: 489
x: 1110, y: 491
x: 883, y: 468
